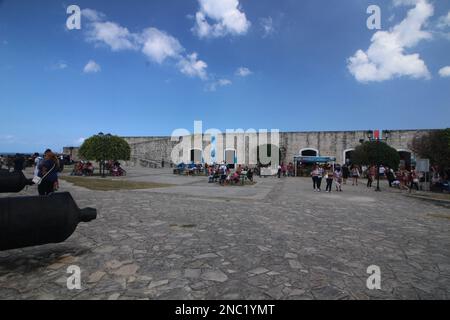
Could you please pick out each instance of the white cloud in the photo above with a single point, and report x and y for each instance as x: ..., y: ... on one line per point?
x: 193, y: 67
x: 226, y: 17
x: 243, y: 72
x: 157, y: 45
x: 113, y: 35
x: 92, y: 67
x: 224, y: 82
x: 386, y: 58
x: 80, y: 141
x: 445, y: 72
x: 267, y: 26
x: 405, y: 2
x: 61, y: 65
x: 444, y: 21
x: 219, y: 83
x: 92, y: 15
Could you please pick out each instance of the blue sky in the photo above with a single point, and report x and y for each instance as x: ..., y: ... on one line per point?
x: 140, y: 68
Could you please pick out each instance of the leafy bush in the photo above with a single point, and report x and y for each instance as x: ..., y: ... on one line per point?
x: 376, y: 153
x: 105, y: 147
x: 434, y: 146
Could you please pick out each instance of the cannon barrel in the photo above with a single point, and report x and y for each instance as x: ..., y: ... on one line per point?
x: 13, y: 182
x: 33, y: 221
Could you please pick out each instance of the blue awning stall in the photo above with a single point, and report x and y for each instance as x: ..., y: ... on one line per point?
x: 306, y: 159
x: 312, y: 160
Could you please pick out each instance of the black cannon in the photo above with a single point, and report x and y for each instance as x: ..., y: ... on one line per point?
x: 12, y: 182
x: 33, y: 221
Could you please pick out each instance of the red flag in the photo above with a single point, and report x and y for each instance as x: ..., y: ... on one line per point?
x: 376, y: 134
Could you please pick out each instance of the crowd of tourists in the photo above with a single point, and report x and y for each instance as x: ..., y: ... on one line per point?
x: 86, y: 168
x: 286, y: 170
x: 47, y: 166
x: 190, y: 169
x: 114, y: 168
x: 83, y: 168
x: 328, y: 173
x: 224, y: 175
x: 402, y: 178
x: 332, y: 177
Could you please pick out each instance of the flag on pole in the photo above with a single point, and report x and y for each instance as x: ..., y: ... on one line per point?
x: 376, y: 134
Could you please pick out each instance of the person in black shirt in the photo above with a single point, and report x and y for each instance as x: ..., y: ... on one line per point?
x: 345, y: 173
x: 19, y: 163
x: 250, y: 175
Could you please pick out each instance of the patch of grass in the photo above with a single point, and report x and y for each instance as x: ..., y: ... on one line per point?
x: 437, y: 215
x: 439, y: 196
x: 444, y: 198
x: 108, y: 184
x: 68, y: 168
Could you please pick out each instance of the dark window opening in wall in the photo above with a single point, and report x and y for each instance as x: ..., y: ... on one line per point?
x: 405, y: 159
x: 309, y: 153
x: 196, y: 155
x: 230, y: 158
x: 349, y: 157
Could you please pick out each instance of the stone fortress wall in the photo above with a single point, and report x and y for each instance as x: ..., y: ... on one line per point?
x: 151, y: 151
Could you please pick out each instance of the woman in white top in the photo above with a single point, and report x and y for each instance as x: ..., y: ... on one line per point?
x: 37, y: 162
x: 317, y: 174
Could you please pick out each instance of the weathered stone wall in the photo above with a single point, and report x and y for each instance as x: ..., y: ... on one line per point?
x: 334, y: 144
x: 72, y: 152
x: 150, y: 151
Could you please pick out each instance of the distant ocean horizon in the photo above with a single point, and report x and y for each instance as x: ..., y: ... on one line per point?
x: 14, y: 153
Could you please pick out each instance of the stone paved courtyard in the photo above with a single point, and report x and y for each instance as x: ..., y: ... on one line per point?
x: 275, y: 240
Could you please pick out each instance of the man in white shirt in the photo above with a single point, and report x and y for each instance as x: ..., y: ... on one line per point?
x: 223, y: 169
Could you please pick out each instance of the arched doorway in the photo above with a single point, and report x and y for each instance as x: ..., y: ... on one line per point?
x: 309, y: 152
x: 405, y: 158
x: 304, y: 169
x: 230, y: 158
x: 348, y: 156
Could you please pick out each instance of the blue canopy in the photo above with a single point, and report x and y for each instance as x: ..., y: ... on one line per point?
x: 305, y: 159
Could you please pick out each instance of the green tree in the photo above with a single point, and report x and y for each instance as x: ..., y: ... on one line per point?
x: 434, y: 146
x: 105, y: 147
x: 376, y: 153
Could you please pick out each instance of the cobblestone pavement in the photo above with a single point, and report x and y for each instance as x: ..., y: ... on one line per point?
x: 275, y: 240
